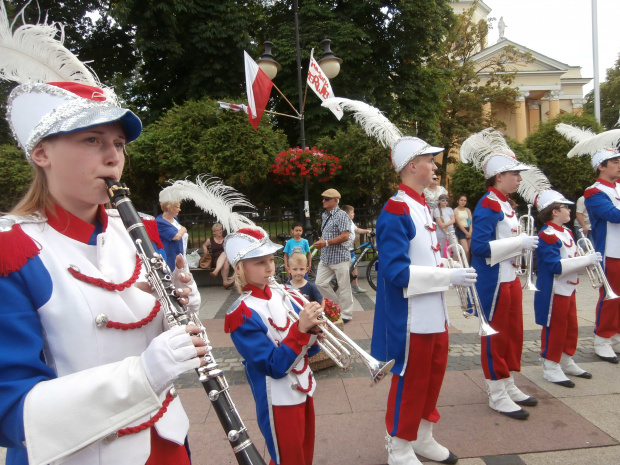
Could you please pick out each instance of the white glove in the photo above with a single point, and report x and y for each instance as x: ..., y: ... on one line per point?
x: 167, y: 356
x: 194, y: 300
x: 529, y: 242
x: 463, y: 276
x: 595, y: 258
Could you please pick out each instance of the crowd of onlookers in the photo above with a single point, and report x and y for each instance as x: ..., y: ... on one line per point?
x: 450, y: 221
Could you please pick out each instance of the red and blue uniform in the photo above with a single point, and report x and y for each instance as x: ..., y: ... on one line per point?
x: 67, y: 383
x: 275, y: 357
x: 602, y: 201
x: 410, y: 324
x: 494, y: 246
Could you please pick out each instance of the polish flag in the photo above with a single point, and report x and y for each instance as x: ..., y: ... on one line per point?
x: 258, y: 87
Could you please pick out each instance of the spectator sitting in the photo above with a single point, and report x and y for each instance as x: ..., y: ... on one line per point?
x: 216, y: 244
x: 172, y: 234
x: 349, y: 210
x: 297, y: 244
x: 298, y: 264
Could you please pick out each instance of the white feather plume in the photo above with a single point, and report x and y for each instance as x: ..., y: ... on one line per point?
x: 479, y: 147
x: 212, y: 196
x: 533, y: 183
x: 606, y: 140
x: 574, y: 134
x: 373, y: 122
x: 31, y: 53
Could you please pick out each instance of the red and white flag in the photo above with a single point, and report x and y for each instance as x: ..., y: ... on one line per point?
x: 258, y: 87
x: 319, y: 83
x: 233, y: 106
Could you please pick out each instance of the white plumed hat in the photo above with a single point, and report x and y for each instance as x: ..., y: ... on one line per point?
x: 600, y: 147
x: 375, y: 124
x: 490, y: 153
x: 536, y: 190
x: 58, y: 93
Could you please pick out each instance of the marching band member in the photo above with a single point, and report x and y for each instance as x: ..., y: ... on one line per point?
x: 602, y: 201
x: 87, y: 367
x: 411, y: 316
x: 275, y: 349
x: 494, y: 245
x: 557, y: 277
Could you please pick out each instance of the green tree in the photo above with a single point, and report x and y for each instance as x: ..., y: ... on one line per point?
x: 570, y: 176
x: 388, y: 51
x: 195, y: 138
x: 465, y: 93
x: 15, y: 176
x: 610, y: 98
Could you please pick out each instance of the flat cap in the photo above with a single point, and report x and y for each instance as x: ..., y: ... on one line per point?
x: 331, y: 193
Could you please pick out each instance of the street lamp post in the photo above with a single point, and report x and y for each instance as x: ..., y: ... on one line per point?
x: 329, y: 63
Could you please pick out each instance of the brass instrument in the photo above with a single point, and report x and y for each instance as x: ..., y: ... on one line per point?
x: 595, y: 272
x: 335, y: 342
x: 523, y: 262
x: 468, y: 295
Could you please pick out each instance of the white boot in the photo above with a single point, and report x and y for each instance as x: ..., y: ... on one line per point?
x: 517, y: 396
x: 615, y: 343
x: 427, y: 446
x: 569, y: 367
x: 500, y: 401
x: 602, y: 348
x: 553, y: 372
x: 400, y: 451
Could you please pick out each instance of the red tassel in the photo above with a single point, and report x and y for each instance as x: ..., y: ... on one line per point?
x: 590, y: 191
x: 151, y: 230
x: 397, y: 207
x: 17, y: 248
x: 492, y: 204
x: 233, y: 320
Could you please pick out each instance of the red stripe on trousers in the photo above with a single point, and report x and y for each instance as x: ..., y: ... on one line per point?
x: 426, y: 366
x: 608, y: 316
x: 295, y: 432
x: 506, y: 347
x: 164, y: 452
x: 563, y: 329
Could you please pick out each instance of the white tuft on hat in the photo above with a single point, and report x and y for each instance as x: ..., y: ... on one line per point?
x: 600, y: 147
x: 248, y: 243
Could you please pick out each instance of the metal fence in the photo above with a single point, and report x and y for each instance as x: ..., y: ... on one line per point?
x: 272, y: 220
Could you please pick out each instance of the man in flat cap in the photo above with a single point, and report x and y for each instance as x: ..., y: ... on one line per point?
x: 335, y: 255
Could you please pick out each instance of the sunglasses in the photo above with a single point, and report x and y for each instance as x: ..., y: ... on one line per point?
x: 444, y: 200
x: 326, y: 199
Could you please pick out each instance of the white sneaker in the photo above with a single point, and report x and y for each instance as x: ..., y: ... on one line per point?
x: 426, y: 445
x: 400, y: 451
x: 553, y: 372
x: 500, y: 401
x: 358, y: 290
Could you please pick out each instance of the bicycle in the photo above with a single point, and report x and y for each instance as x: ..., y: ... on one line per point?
x: 362, y: 250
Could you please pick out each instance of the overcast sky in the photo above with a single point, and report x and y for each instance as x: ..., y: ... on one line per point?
x: 562, y: 29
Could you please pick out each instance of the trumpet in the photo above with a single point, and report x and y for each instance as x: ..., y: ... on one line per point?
x: 335, y: 342
x: 468, y: 295
x: 526, y: 225
x: 595, y: 272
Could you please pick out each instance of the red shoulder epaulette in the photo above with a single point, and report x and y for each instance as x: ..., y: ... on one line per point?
x: 151, y: 230
x: 17, y: 248
x: 590, y: 191
x: 236, y: 318
x: 491, y: 204
x: 549, y: 237
x: 397, y: 207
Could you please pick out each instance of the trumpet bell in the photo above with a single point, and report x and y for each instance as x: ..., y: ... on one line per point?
x: 380, y: 372
x: 486, y: 330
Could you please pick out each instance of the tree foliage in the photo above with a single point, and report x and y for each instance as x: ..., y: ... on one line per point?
x: 570, y: 176
x: 197, y: 138
x: 15, y: 176
x: 610, y: 98
x: 471, y: 85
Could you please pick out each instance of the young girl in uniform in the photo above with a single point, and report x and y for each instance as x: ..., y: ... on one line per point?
x: 275, y: 349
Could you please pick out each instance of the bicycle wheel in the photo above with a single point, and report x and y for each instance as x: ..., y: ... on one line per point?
x: 313, y: 269
x: 371, y: 272
x: 280, y: 274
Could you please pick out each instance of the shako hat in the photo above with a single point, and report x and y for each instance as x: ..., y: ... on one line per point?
x: 248, y: 243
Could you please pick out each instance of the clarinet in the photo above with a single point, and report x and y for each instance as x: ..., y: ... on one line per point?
x: 210, y: 375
